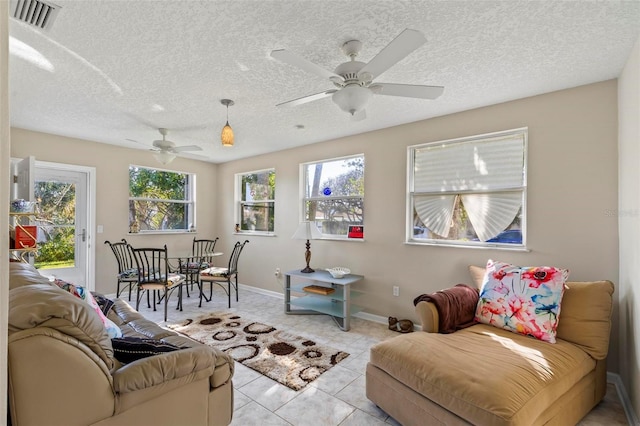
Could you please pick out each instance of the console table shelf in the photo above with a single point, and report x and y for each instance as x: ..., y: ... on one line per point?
x: 337, y: 304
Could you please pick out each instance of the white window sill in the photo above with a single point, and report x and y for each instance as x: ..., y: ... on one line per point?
x: 469, y: 246
x: 255, y: 234
x: 162, y: 233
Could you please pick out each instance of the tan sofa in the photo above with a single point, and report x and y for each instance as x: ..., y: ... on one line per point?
x: 484, y: 375
x: 62, y: 370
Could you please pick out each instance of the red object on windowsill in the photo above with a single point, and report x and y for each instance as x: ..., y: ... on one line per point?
x: 25, y: 236
x: 356, y: 231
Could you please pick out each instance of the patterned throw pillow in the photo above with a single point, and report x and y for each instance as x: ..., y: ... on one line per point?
x: 129, y: 349
x: 104, y: 303
x: 524, y: 300
x: 80, y: 292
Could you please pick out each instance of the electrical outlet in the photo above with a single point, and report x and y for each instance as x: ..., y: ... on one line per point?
x: 277, y: 273
x: 396, y: 290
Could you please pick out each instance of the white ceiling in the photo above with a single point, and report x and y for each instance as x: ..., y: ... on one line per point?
x: 114, y: 71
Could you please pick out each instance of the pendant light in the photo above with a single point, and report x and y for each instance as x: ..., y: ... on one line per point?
x: 227, y: 131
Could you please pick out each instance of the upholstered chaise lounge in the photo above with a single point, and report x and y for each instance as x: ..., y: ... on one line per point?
x: 484, y: 375
x: 62, y: 369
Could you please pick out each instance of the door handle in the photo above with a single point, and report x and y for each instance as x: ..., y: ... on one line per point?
x: 83, y: 234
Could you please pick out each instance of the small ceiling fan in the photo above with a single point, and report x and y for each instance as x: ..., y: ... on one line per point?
x: 167, y: 150
x: 354, y: 79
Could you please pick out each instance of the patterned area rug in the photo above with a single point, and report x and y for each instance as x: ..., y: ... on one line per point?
x: 286, y: 358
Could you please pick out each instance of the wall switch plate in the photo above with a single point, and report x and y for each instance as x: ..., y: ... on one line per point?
x: 396, y: 290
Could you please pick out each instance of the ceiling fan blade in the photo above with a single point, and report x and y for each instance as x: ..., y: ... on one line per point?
x: 186, y: 148
x: 394, y: 52
x: 409, y: 90
x: 309, y: 98
x: 308, y: 66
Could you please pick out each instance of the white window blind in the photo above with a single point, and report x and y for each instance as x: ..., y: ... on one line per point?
x: 470, y: 165
x: 487, y: 174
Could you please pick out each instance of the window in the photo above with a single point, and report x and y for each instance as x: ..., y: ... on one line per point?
x: 161, y: 200
x: 469, y: 191
x: 255, y: 196
x: 334, y: 194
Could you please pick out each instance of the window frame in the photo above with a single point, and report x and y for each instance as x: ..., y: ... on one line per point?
x: 190, y: 193
x: 239, y: 203
x: 482, y: 138
x: 305, y: 200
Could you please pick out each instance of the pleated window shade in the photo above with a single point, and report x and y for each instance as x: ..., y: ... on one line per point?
x: 487, y: 173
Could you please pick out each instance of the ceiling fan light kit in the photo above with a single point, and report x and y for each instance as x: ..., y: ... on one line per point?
x: 166, y: 151
x: 164, y: 157
x: 227, y: 132
x: 354, y: 79
x: 352, y: 98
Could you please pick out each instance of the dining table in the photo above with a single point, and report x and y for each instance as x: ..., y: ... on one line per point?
x: 183, y: 261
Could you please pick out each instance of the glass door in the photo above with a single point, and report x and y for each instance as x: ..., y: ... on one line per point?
x: 62, y: 223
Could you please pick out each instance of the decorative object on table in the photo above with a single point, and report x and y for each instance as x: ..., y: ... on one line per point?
x: 227, y: 131
x: 339, y: 271
x: 307, y: 231
x: 401, y: 326
x: 22, y: 206
x: 292, y: 360
x: 24, y: 236
x: 355, y: 231
x: 319, y: 289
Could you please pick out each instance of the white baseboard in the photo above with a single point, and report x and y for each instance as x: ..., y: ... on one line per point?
x: 614, y: 378
x: 362, y: 315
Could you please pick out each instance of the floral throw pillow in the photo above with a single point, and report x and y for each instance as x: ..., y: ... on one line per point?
x: 524, y: 300
x: 82, y: 293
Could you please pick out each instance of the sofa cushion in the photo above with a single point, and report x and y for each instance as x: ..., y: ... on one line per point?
x: 524, y: 300
x: 130, y: 349
x: 45, y: 305
x: 21, y: 274
x: 83, y: 294
x: 586, y: 313
x: 456, y: 370
x: 586, y: 316
x: 104, y: 302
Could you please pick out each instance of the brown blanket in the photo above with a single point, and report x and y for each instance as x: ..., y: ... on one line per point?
x: 456, y: 307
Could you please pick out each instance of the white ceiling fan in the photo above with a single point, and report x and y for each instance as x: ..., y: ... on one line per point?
x: 354, y: 79
x: 168, y: 150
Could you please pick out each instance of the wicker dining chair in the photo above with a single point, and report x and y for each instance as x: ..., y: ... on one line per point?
x: 220, y: 276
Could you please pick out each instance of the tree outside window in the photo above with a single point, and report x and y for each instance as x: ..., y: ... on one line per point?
x: 256, y: 201
x: 160, y: 200
x: 334, y: 194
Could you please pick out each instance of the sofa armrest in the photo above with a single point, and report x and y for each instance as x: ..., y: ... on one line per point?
x: 188, y: 364
x: 428, y: 314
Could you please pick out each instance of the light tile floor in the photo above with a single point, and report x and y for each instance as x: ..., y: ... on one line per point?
x: 338, y: 396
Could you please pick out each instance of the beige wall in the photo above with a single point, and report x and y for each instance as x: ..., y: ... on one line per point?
x: 629, y: 218
x: 572, y: 189
x: 112, y: 185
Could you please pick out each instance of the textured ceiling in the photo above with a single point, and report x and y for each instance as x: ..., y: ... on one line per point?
x: 115, y: 71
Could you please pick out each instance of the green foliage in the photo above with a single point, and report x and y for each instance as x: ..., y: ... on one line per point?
x: 337, y: 211
x: 59, y: 246
x: 157, y: 184
x: 56, y: 217
x: 158, y: 199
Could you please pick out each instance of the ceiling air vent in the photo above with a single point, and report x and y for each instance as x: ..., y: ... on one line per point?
x: 34, y: 12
